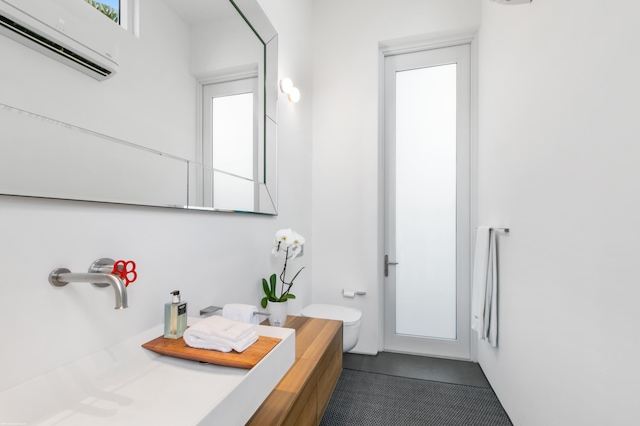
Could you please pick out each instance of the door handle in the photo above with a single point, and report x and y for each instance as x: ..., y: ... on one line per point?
x: 386, y: 265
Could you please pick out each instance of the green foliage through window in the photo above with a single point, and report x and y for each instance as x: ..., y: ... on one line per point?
x: 110, y: 12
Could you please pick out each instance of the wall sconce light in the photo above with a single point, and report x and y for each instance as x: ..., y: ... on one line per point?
x: 286, y: 86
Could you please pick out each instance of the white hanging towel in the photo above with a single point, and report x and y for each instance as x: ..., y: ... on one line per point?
x: 491, y: 305
x: 484, y: 307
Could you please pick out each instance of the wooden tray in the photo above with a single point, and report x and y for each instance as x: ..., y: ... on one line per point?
x: 179, y: 349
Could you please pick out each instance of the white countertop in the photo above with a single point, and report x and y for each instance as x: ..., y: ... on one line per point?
x: 126, y: 384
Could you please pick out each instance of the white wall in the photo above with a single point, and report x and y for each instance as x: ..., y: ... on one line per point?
x: 212, y: 258
x: 345, y: 140
x: 224, y: 44
x: 558, y: 164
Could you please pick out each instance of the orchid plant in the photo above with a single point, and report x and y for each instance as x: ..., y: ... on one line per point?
x: 288, y: 243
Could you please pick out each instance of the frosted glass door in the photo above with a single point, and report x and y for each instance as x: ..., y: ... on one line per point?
x: 427, y: 211
x: 426, y: 201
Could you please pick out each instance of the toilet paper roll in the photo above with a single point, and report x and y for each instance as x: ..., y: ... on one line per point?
x: 348, y: 293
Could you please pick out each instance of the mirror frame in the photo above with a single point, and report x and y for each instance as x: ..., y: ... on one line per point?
x: 259, y: 23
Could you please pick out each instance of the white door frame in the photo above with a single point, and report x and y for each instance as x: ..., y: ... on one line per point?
x: 387, y: 49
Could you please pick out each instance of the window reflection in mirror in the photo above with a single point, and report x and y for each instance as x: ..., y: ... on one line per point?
x: 122, y: 12
x: 109, y: 8
x: 232, y: 134
x: 230, y: 143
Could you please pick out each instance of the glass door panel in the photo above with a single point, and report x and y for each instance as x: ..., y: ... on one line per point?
x: 426, y: 201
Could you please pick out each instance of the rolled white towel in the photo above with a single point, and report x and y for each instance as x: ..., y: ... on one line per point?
x: 221, y: 334
x: 240, y: 312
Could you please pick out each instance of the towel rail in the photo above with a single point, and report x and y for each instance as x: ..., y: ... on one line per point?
x: 499, y: 229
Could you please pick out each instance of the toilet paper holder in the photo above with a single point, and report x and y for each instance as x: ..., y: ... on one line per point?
x: 353, y: 293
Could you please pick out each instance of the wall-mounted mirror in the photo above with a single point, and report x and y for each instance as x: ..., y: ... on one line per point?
x: 188, y: 121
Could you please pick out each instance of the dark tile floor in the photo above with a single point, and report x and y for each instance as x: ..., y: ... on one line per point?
x: 418, y: 367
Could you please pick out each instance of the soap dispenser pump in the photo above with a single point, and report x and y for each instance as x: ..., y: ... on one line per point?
x: 175, y: 317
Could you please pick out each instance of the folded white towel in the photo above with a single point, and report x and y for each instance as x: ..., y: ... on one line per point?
x: 221, y: 334
x: 218, y: 343
x: 225, y: 328
x: 240, y: 312
x: 480, y: 270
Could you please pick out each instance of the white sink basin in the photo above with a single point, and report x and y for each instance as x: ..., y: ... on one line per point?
x: 127, y: 385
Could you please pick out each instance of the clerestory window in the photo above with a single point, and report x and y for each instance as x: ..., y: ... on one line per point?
x: 122, y: 12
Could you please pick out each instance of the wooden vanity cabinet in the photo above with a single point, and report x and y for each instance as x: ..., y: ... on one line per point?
x: 304, y: 392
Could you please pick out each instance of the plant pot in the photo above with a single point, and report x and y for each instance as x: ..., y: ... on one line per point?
x: 278, y: 311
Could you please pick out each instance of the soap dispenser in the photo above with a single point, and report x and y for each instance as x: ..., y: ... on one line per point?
x: 175, y: 317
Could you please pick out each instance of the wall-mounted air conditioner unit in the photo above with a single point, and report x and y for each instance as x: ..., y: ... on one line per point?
x: 66, y: 30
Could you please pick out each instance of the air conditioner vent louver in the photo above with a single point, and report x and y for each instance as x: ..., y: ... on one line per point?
x: 52, y: 46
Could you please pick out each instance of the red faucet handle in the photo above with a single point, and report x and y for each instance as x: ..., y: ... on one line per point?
x: 126, y: 270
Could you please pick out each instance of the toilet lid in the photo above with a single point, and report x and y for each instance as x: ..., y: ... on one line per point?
x: 349, y: 316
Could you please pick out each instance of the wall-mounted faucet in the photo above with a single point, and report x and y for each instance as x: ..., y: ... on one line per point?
x: 101, y: 274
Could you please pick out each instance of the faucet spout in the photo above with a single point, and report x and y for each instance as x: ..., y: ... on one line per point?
x: 62, y: 276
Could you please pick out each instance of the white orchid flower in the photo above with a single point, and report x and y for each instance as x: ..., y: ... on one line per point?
x: 282, y: 241
x: 297, y: 239
x: 296, y: 243
x: 284, y: 236
x: 289, y: 242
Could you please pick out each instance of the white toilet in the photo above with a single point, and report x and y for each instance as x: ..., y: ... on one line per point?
x: 350, y: 318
